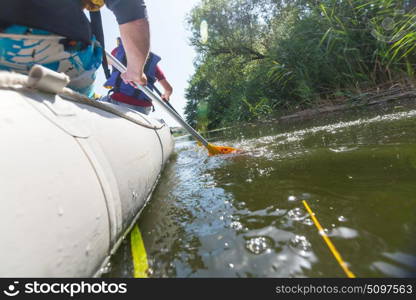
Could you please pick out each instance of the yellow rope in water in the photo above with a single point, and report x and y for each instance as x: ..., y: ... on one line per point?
x: 138, y: 252
x: 330, y: 245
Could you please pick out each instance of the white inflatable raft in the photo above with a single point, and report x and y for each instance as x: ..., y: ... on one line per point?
x: 74, y: 176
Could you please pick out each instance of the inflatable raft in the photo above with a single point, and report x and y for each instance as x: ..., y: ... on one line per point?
x: 74, y: 176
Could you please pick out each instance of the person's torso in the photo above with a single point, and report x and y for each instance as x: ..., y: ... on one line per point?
x: 62, y: 17
x: 130, y: 93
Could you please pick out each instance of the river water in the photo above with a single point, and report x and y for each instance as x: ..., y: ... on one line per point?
x: 243, y: 216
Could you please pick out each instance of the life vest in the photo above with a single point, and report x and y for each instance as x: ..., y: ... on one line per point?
x: 117, y: 85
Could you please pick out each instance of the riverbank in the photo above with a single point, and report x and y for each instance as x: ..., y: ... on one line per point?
x: 293, y: 57
x: 381, y: 99
x: 396, y: 95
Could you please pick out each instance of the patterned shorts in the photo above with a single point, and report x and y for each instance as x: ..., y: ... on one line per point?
x: 77, y: 60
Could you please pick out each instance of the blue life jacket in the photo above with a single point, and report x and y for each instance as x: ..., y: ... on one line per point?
x: 117, y: 84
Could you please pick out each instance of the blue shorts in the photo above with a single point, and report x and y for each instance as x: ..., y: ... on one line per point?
x: 77, y: 60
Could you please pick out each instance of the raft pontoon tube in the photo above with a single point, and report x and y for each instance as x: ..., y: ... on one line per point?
x: 74, y: 176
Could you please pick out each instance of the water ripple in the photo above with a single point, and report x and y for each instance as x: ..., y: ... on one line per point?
x: 258, y: 245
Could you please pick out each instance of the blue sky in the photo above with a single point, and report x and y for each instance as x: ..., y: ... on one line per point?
x: 169, y: 39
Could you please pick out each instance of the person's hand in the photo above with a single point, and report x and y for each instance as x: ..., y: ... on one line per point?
x: 131, y: 77
x: 166, y: 96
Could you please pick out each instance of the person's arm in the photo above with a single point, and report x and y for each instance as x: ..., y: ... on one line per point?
x: 134, y: 30
x: 168, y: 90
x: 136, y: 41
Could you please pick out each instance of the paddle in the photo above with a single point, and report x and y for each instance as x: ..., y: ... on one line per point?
x: 212, y: 149
x: 160, y: 95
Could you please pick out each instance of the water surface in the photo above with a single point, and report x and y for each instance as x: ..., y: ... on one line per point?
x: 242, y: 215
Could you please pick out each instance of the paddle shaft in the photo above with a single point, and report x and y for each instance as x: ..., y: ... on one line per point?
x: 160, y: 95
x: 121, y: 68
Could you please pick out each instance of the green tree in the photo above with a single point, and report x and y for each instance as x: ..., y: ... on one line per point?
x: 266, y: 56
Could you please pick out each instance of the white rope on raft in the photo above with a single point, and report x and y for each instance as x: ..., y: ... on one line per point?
x: 14, y: 81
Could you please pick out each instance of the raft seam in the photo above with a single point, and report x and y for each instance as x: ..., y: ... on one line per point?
x: 128, y: 230
x: 110, y: 225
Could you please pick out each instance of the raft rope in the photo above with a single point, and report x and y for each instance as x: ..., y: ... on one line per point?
x: 138, y: 252
x: 16, y: 82
x: 327, y: 240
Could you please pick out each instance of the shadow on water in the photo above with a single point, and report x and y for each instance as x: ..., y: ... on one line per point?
x: 242, y: 215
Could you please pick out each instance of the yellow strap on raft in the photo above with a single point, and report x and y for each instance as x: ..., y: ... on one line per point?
x: 93, y: 5
x: 138, y: 252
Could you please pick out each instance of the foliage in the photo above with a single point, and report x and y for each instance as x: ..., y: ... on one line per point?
x: 265, y: 56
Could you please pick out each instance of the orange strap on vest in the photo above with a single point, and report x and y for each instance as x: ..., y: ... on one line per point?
x: 93, y: 5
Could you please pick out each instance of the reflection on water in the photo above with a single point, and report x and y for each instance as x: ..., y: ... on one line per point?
x: 242, y: 215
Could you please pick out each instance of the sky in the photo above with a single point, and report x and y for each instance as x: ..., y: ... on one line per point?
x: 169, y: 39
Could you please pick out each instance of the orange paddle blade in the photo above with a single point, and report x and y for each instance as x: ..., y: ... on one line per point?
x: 215, y: 150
